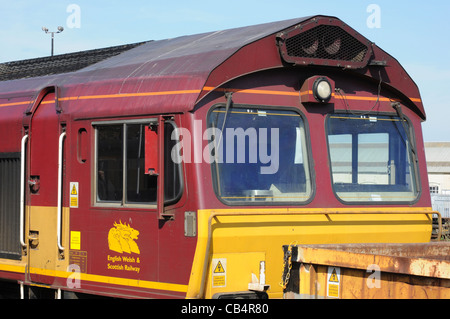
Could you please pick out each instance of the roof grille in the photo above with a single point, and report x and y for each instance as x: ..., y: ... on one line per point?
x: 324, y: 44
x: 59, y: 63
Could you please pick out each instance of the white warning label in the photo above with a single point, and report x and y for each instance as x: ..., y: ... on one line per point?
x: 74, y: 191
x: 219, y: 272
x: 333, y: 282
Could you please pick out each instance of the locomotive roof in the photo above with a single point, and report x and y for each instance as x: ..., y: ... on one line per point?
x: 152, y: 51
x: 188, y: 63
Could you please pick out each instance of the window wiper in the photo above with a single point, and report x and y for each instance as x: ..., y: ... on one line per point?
x: 398, y: 108
x: 229, y: 96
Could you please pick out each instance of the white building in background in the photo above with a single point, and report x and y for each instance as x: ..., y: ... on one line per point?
x: 438, y: 163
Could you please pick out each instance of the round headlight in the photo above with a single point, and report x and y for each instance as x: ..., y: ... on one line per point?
x: 322, y: 90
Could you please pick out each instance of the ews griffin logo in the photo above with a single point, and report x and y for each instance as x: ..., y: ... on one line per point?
x: 121, y: 238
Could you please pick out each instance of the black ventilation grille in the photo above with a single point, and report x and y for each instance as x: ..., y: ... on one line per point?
x: 59, y: 63
x: 9, y: 206
x: 324, y: 45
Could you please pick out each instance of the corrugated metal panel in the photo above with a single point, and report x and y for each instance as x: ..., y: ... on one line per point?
x: 9, y: 205
x: 438, y: 154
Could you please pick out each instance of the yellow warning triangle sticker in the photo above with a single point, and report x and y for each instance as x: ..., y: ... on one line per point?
x: 219, y: 268
x: 74, y: 190
x: 334, y: 277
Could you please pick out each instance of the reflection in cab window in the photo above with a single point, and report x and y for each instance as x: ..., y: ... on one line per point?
x: 259, y: 155
x: 371, y: 158
x: 121, y: 176
x: 141, y: 187
x: 109, y: 162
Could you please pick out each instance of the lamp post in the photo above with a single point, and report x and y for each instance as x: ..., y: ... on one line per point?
x: 60, y: 29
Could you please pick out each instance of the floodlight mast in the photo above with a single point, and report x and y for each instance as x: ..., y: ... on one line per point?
x: 60, y: 29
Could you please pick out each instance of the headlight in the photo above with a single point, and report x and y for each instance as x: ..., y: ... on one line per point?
x: 322, y: 89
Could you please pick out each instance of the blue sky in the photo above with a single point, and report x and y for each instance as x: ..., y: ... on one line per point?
x: 415, y: 32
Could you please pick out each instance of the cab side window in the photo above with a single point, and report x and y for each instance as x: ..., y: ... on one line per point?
x: 120, y: 166
x: 110, y: 163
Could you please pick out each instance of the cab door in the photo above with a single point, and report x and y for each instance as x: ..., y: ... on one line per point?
x: 47, y: 220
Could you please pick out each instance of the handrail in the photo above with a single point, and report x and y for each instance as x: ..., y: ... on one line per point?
x: 22, y: 189
x: 439, y: 225
x: 312, y: 212
x: 60, y: 185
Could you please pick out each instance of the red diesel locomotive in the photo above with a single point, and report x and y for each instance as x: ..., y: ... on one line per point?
x: 179, y: 168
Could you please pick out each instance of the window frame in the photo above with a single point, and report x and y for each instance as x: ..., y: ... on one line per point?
x: 415, y: 167
x: 123, y: 202
x: 309, y: 157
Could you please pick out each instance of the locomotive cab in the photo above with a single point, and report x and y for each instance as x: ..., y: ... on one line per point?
x: 183, y: 166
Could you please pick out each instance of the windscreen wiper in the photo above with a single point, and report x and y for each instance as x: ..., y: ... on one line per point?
x: 228, y: 96
x: 398, y: 108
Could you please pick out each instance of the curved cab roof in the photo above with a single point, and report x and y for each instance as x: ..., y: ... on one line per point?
x: 174, y: 73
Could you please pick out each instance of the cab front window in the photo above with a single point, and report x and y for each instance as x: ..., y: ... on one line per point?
x: 371, y: 158
x: 259, y: 155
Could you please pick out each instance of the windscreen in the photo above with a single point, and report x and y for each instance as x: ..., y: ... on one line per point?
x: 259, y: 155
x: 371, y: 158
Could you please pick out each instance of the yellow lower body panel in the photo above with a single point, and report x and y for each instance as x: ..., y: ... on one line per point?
x: 233, y: 243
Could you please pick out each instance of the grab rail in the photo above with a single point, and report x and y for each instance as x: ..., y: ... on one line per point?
x: 22, y: 189
x: 60, y: 185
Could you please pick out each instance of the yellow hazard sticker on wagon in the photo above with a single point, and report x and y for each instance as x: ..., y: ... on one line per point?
x: 219, y: 272
x: 73, y: 194
x: 333, y: 282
